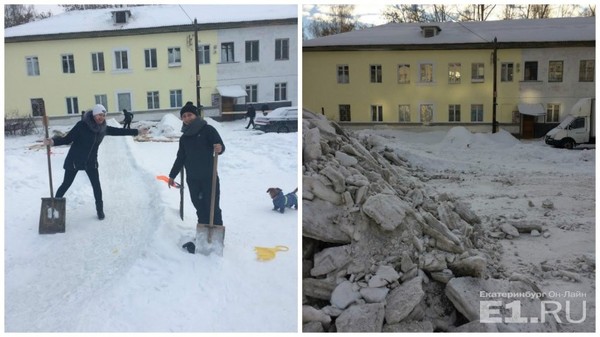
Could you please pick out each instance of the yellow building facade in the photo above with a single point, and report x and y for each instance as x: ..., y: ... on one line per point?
x: 143, y: 59
x: 473, y: 74
x: 406, y: 83
x: 86, y: 84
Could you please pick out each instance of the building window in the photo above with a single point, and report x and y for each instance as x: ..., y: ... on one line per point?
x: 476, y: 112
x: 252, y: 92
x: 403, y: 113
x: 33, y: 66
x: 153, y: 100
x: 150, y: 58
x: 227, y: 52
x: 555, y: 71
x: 282, y: 49
x: 252, y: 51
x: 477, y: 72
x: 552, y: 113
x: 121, y: 60
x: 175, y: 98
x: 531, y: 71
x: 72, y: 106
x: 204, y: 54
x: 68, y: 64
x: 403, y: 73
x: 36, y: 106
x: 280, y: 91
x: 101, y: 99
x: 426, y: 72
x: 426, y: 113
x: 345, y: 115
x: 343, y: 74
x: 376, y: 76
x: 586, y: 71
x: 453, y: 73
x: 454, y: 113
x: 506, y: 72
x: 376, y: 113
x: 98, y: 62
x: 174, y: 55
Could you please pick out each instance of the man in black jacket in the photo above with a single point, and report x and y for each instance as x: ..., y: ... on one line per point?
x: 197, y: 147
x: 85, y: 138
x: 251, y: 113
x: 128, y: 119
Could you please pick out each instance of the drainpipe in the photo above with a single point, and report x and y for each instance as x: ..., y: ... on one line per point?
x: 494, y: 104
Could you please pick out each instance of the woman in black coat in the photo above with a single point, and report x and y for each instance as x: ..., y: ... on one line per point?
x: 196, y: 148
x: 85, y: 138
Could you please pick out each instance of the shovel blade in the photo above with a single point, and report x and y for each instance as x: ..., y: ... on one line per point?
x: 52, y: 216
x: 210, y: 239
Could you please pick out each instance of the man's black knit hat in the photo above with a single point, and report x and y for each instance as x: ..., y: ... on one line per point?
x: 189, y: 107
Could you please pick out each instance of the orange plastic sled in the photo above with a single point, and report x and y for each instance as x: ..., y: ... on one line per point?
x: 166, y: 179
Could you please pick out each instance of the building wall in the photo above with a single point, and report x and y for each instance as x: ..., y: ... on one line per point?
x: 54, y: 86
x: 322, y: 93
x: 565, y: 93
x: 267, y: 71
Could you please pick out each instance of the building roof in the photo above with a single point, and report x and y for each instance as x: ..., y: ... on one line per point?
x: 153, y: 16
x: 580, y: 29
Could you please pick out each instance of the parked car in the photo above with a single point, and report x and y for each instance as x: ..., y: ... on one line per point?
x: 283, y: 119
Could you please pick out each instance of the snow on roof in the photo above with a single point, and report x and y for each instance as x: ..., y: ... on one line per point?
x: 231, y: 91
x: 533, y: 30
x: 95, y: 20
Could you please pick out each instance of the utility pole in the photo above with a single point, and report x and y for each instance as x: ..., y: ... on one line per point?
x: 494, y: 104
x: 200, y: 110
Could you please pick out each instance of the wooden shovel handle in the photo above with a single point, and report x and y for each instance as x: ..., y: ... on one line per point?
x: 213, y: 191
x: 45, y: 122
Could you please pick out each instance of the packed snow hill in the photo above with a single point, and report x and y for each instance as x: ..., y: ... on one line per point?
x: 129, y: 272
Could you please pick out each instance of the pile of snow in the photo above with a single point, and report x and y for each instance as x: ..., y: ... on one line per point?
x: 460, y: 137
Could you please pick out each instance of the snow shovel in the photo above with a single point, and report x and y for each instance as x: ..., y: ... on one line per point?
x: 52, y: 214
x: 210, y: 237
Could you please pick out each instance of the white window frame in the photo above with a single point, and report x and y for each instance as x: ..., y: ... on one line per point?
x: 174, y: 56
x: 153, y: 100
x: 121, y: 59
x: 403, y: 113
x: 175, y: 98
x: 477, y: 72
x: 69, y: 61
x: 282, y: 49
x: 33, y: 65
x: 98, y: 65
x: 150, y: 58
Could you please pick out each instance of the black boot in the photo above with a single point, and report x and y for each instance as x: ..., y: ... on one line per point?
x: 100, y: 209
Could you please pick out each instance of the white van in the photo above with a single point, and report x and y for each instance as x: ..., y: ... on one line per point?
x: 577, y: 128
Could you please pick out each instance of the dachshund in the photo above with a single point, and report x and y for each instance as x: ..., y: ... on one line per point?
x: 281, y: 201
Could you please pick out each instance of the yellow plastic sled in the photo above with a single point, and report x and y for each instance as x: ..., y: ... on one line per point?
x: 266, y: 253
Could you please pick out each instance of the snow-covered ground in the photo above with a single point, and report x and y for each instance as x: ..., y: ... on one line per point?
x: 505, y: 179
x: 128, y: 273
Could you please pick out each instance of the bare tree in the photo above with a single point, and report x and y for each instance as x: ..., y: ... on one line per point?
x: 340, y: 20
x: 475, y: 12
x: 405, y: 13
x: 510, y: 12
x: 15, y: 15
x: 589, y: 11
x: 537, y: 12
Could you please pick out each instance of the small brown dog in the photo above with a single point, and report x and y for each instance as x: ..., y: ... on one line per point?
x: 281, y: 201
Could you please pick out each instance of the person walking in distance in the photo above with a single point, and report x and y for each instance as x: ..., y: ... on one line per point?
x: 197, y: 147
x: 128, y: 119
x: 251, y: 113
x: 85, y: 138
